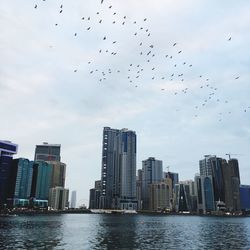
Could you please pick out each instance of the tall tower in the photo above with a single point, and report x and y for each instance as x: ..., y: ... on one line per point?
x: 73, y: 199
x: 48, y: 152
x: 152, y: 172
x: 118, y: 179
x: 7, y: 150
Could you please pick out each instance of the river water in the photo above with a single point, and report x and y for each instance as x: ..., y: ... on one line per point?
x: 100, y: 231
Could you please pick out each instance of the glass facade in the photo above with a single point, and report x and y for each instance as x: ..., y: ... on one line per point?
x: 208, y: 192
x: 7, y: 150
x: 245, y: 197
x: 42, y: 172
x: 48, y: 152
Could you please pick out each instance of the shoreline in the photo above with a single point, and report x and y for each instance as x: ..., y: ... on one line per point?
x: 87, y: 211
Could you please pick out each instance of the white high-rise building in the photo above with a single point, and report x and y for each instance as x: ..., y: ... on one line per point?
x: 73, y: 199
x: 58, y: 198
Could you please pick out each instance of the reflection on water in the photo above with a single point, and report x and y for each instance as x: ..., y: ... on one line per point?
x: 24, y: 232
x: 124, y: 232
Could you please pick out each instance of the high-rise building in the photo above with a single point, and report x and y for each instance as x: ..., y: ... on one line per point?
x: 48, y: 152
x: 207, y: 188
x: 231, y: 178
x: 151, y: 173
x: 220, y: 183
x: 198, y: 193
x: 139, y: 188
x: 58, y: 198
x: 118, y: 169
x: 192, y: 194
x: 73, y: 199
x: 98, y: 185
x: 21, y: 177
x: 182, y: 203
x: 245, y: 197
x: 160, y: 195
x: 41, y: 181
x: 7, y: 150
x: 58, y: 174
x: 94, y: 198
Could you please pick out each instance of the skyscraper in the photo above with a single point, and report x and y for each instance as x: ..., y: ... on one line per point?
x: 220, y: 183
x: 160, y: 195
x: 151, y: 173
x: 58, y: 174
x: 73, y: 199
x: 182, y: 202
x: 41, y: 180
x: 58, y: 198
x: 7, y: 150
x: 48, y: 152
x: 118, y: 178
x: 231, y: 179
x: 207, y: 189
x: 21, y: 177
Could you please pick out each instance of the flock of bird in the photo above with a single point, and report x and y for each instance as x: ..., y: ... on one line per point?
x: 144, y: 68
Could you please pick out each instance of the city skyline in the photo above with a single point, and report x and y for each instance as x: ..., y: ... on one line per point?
x: 43, y: 98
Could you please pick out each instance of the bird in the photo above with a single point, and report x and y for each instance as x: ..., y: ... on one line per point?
x: 88, y: 28
x: 75, y: 70
x: 174, y: 44
x: 102, y: 1
x: 236, y: 78
x: 145, y: 19
x: 110, y: 6
x: 35, y: 6
x: 100, y: 21
x: 61, y: 11
x: 104, y: 38
x: 179, y: 52
x: 230, y: 38
x: 88, y: 18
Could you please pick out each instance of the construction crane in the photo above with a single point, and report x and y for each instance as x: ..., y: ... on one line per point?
x: 229, y: 155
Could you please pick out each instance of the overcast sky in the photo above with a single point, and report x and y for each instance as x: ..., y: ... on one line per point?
x: 186, y: 94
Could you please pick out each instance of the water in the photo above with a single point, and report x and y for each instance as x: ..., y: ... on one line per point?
x: 98, y: 231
